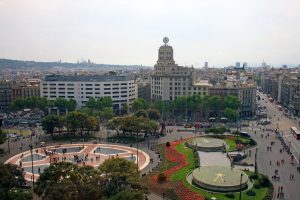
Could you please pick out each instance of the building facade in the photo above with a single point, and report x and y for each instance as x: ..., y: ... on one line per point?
x: 246, y: 92
x: 5, y: 94
x: 122, y: 89
x: 170, y: 81
x: 26, y: 89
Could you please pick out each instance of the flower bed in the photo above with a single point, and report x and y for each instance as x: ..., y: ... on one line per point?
x: 174, y: 156
x: 186, y: 194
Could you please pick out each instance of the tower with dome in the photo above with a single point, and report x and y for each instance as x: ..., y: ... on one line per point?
x: 170, y: 81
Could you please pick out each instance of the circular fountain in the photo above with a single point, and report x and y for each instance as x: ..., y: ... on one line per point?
x: 220, y: 178
x: 206, y: 144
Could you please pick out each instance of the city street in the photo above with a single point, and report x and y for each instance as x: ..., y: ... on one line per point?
x: 283, y: 124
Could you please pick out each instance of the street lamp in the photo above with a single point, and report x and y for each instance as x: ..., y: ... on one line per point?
x: 137, y: 152
x: 8, y: 145
x: 241, y: 186
x: 255, y: 167
x: 148, y: 141
x: 32, y: 170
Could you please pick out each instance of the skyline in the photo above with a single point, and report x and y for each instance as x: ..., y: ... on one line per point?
x: 118, y: 32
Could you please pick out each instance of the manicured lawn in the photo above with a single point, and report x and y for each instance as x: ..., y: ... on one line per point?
x: 23, y: 132
x: 181, y: 174
x: 231, y: 144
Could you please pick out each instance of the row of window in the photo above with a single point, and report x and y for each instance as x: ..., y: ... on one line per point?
x: 87, y: 84
x: 115, y: 88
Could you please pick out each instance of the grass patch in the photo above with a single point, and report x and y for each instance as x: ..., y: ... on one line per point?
x: 24, y: 132
x: 181, y: 174
x: 232, y: 145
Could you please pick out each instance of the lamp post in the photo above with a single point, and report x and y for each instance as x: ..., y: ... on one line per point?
x: 255, y: 167
x: 241, y: 186
x: 137, y: 152
x: 148, y: 141
x: 32, y: 170
x: 8, y: 144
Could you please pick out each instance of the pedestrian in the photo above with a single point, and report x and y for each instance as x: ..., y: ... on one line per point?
x: 270, y: 162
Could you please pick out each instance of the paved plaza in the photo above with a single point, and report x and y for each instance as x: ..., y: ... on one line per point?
x: 80, y: 154
x: 213, y: 159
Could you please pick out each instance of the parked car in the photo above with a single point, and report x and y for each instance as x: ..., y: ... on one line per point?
x: 205, y: 125
x: 245, y: 134
x: 188, y: 126
x: 245, y: 124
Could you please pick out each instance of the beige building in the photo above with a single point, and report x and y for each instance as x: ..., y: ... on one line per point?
x: 25, y: 89
x: 170, y: 81
x: 244, y: 90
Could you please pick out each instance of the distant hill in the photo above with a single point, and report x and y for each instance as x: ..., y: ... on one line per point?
x: 18, y: 64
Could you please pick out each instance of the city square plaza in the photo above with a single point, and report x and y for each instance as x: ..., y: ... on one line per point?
x: 80, y: 154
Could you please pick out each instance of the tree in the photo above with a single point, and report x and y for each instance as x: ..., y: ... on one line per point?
x: 71, y: 105
x: 153, y: 114
x: 3, y: 136
x: 91, y: 103
x: 11, y: 176
x: 128, y: 195
x: 115, y: 124
x: 232, y: 102
x: 106, y: 114
x: 112, y: 180
x: 215, y: 104
x: 141, y: 113
x: 91, y: 123
x: 120, y: 175
x: 161, y: 106
x: 30, y: 102
x: 50, y: 122
x: 124, y: 109
x: 139, y: 104
x: 63, y: 181
x: 231, y: 114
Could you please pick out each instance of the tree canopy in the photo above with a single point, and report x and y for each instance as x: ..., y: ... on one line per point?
x: 232, y: 102
x: 113, y: 179
x: 12, y: 177
x: 33, y: 102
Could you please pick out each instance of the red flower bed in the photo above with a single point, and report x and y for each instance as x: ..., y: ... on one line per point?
x: 185, y: 194
x: 174, y: 156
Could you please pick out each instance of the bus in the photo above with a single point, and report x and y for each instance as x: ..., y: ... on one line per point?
x: 295, y: 132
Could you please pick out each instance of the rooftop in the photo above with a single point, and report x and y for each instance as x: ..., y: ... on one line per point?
x: 88, y: 78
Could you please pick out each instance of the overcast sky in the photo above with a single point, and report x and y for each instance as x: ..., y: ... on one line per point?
x: 221, y: 32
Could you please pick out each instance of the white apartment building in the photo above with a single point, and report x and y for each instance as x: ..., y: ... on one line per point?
x: 170, y: 81
x: 122, y: 89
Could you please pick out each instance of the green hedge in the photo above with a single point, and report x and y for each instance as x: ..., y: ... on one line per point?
x: 217, y: 130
